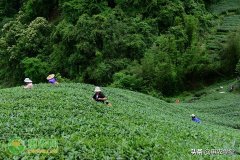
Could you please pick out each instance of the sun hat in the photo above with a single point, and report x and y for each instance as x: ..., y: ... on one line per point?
x: 192, y: 115
x: 51, y: 76
x: 97, y: 89
x: 27, y: 80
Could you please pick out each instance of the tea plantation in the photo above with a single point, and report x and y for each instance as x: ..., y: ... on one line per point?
x: 228, y: 22
x: 137, y: 126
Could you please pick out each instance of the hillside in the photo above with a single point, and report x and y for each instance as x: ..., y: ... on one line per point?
x: 137, y: 126
x: 216, y: 101
x: 157, y: 47
x: 228, y: 22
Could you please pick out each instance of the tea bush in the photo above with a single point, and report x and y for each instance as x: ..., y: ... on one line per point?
x: 137, y: 126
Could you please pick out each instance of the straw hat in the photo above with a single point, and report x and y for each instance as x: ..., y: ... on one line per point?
x: 97, y: 89
x: 192, y: 115
x: 51, y: 76
x: 27, y: 80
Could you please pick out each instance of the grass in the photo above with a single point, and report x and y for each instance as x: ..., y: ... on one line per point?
x: 137, y: 126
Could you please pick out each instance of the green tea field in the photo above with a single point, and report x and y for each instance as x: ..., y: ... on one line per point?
x: 137, y: 126
x: 228, y: 22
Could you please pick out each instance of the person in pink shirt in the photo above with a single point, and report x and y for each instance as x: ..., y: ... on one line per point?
x: 29, y: 84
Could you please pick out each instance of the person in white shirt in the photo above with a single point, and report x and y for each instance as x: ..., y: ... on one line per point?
x: 29, y: 84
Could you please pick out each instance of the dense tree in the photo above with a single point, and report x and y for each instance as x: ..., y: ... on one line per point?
x: 19, y: 41
x: 152, y: 46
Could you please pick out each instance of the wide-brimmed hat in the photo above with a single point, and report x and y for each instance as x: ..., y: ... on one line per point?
x: 27, y: 80
x: 97, y: 89
x: 192, y: 115
x: 51, y: 76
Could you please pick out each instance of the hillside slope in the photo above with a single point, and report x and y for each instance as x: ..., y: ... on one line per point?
x: 229, y: 22
x: 137, y: 126
x: 125, y: 44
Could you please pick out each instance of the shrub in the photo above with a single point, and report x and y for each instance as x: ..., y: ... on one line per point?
x: 35, y: 69
x: 157, y: 68
x: 129, y: 81
x: 231, y: 54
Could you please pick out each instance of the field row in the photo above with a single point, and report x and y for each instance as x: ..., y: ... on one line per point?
x: 137, y: 126
x: 224, y: 6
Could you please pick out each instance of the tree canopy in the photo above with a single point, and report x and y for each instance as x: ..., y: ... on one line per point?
x: 157, y: 46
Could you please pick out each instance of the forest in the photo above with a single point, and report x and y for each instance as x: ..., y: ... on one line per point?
x: 158, y: 47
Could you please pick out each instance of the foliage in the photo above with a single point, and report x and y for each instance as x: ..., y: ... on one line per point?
x: 21, y: 41
x: 35, y: 68
x: 223, y: 43
x: 220, y: 102
x: 9, y: 8
x: 39, y: 8
x: 238, y: 67
x: 124, y: 80
x: 96, y: 42
x: 231, y: 54
x: 136, y: 127
x: 158, y: 69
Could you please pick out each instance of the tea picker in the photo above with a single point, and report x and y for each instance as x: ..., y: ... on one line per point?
x: 100, y: 97
x: 51, y: 79
x: 195, y: 119
x: 29, y: 84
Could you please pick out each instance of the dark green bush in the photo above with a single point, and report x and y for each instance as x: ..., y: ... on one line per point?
x: 35, y: 69
x: 231, y: 54
x: 89, y: 41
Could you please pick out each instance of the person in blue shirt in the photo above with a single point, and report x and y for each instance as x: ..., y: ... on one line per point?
x: 195, y: 119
